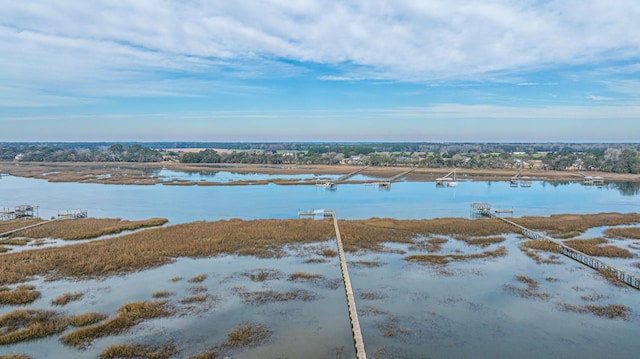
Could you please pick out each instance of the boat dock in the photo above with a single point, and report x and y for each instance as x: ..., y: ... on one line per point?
x: 351, y: 303
x: 574, y: 254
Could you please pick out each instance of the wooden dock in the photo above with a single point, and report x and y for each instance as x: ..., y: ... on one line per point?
x: 27, y: 227
x: 351, y: 303
x: 574, y: 254
x: 349, y: 175
x: 400, y: 175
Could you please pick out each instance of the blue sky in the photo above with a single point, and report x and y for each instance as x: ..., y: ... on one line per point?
x: 320, y: 70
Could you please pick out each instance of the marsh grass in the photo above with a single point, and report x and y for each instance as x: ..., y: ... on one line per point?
x: 366, y: 264
x: 531, y: 291
x: 198, y: 278
x: 305, y: 277
x: 128, y: 316
x: 270, y: 296
x: 430, y: 245
x: 446, y: 258
x: 368, y: 295
x: 15, y: 356
x: 15, y: 242
x: 67, y: 298
x: 4, y: 249
x: 262, y: 274
x: 162, y: 294
x: 610, y: 311
x: 198, y: 298
x: 86, y: 228
x: 482, y: 241
x: 154, y: 247
x: 22, y: 294
x: 623, y: 232
x: 198, y: 289
x: 29, y: 324
x: 137, y: 350
x: 261, y: 238
x: 391, y: 329
x: 594, y: 247
x: 82, y: 320
x: 10, y: 225
x: 562, y: 225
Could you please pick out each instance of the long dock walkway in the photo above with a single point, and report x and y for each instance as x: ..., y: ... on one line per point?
x: 353, y: 312
x: 400, y: 175
x: 27, y: 227
x: 576, y: 255
x: 349, y: 175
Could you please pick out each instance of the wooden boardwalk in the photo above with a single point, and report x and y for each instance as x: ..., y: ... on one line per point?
x: 400, y: 175
x: 349, y: 175
x: 27, y: 227
x: 351, y: 303
x: 576, y: 255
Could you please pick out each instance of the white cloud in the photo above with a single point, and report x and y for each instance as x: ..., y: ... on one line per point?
x: 82, y: 45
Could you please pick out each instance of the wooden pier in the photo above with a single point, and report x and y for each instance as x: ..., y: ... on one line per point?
x: 349, y: 175
x: 351, y: 303
x: 574, y: 254
x: 27, y: 227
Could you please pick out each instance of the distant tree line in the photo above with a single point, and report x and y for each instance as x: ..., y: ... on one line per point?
x: 620, y: 158
x: 114, y: 153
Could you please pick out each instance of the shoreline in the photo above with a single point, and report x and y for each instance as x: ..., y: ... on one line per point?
x: 137, y: 173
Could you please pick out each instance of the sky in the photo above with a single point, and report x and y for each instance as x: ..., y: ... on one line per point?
x: 320, y: 70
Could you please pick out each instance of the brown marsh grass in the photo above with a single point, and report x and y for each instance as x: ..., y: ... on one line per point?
x: 10, y: 225
x: 158, y: 246
x: 305, y: 277
x: 531, y: 291
x: 162, y: 294
x: 128, y: 316
x: 4, y: 249
x: 15, y: 356
x: 198, y: 298
x: 198, y: 278
x: 446, y: 258
x: 28, y: 324
x: 248, y: 335
x: 610, y: 311
x: 562, y: 224
x: 391, y: 329
x: 430, y: 245
x: 67, y: 298
x: 22, y: 294
x: 368, y: 264
x: 15, y: 242
x: 594, y: 247
x: 136, y: 350
x: 86, y: 228
x: 84, y: 319
x: 270, y: 296
x: 260, y: 238
x: 261, y: 275
x: 622, y: 232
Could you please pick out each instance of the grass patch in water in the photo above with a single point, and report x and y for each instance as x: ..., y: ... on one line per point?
x: 198, y: 298
x: 430, y: 245
x: 561, y: 225
x: 305, y: 277
x: 15, y: 356
x: 261, y: 274
x: 86, y: 228
x: 128, y: 316
x: 137, y: 350
x: 594, y: 247
x: 623, y: 232
x: 446, y: 258
x: 15, y: 242
x: 67, y: 298
x: 162, y: 294
x: 366, y: 264
x: 22, y: 294
x: 82, y: 320
x: 531, y: 291
x: 610, y: 311
x: 198, y: 279
x: 29, y: 324
x: 270, y: 296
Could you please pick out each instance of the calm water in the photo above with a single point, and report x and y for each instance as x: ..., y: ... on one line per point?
x: 351, y: 201
x: 407, y: 310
